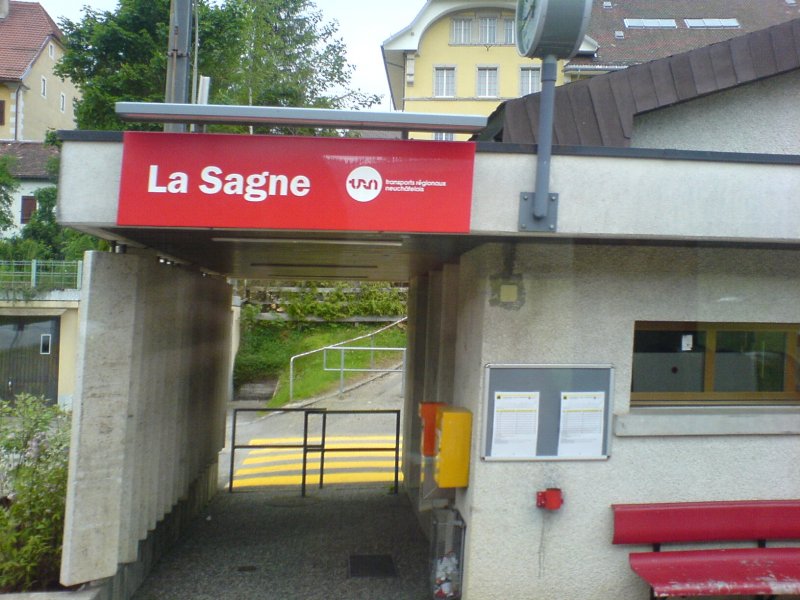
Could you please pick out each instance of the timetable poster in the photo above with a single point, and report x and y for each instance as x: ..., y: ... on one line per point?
x: 515, y: 424
x: 582, y: 419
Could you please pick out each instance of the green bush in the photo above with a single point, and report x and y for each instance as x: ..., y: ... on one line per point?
x: 34, y: 455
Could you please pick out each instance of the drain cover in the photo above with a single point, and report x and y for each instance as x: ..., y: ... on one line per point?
x: 371, y: 565
x: 247, y: 568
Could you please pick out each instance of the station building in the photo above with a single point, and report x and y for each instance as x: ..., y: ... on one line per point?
x: 637, y: 344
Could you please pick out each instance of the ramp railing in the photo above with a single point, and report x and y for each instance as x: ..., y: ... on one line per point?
x: 342, y: 348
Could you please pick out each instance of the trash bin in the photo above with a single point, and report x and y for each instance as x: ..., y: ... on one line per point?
x: 447, y: 553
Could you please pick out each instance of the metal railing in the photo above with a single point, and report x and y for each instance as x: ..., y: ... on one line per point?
x: 342, y: 348
x: 309, y: 447
x: 41, y: 274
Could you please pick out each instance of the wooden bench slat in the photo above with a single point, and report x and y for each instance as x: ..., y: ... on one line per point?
x: 719, y: 572
x: 706, y: 521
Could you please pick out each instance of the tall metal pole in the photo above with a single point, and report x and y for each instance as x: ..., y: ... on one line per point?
x: 180, y: 27
x: 545, y: 138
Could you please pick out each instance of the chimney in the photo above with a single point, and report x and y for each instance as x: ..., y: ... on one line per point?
x: 3, y: 9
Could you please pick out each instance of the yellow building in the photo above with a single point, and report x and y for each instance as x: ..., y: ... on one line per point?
x: 460, y: 57
x: 33, y: 100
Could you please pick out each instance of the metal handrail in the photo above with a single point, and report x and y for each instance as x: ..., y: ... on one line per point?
x: 41, y: 274
x: 323, y: 450
x: 340, y: 345
x: 321, y: 447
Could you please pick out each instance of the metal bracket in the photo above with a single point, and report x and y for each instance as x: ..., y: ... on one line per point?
x: 528, y: 221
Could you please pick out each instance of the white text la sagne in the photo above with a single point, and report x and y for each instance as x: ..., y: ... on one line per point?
x: 253, y: 187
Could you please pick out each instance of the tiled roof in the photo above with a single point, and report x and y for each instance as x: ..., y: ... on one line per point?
x: 23, y: 34
x: 31, y: 158
x: 599, y: 111
x: 639, y: 45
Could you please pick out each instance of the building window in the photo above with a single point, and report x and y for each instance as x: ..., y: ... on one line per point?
x: 714, y: 364
x: 510, y: 30
x: 487, y: 82
x: 712, y: 23
x: 461, y: 32
x: 2, y: 112
x: 530, y: 80
x: 651, y: 24
x: 444, y: 82
x: 28, y: 208
x: 62, y: 103
x: 487, y: 30
x: 51, y: 50
x: 443, y: 136
x: 44, y: 87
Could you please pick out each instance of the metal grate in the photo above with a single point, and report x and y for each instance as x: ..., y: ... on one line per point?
x: 371, y: 565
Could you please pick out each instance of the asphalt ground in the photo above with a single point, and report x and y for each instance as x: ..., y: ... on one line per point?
x: 271, y: 543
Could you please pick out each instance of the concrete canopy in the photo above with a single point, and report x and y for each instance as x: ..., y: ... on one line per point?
x: 658, y: 196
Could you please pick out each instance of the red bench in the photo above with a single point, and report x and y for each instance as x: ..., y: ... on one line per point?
x: 734, y: 571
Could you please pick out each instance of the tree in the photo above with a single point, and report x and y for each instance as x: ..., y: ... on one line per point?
x: 116, y: 56
x: 289, y: 56
x: 8, y: 185
x: 260, y: 52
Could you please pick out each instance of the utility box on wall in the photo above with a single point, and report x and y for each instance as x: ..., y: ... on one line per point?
x: 453, y: 440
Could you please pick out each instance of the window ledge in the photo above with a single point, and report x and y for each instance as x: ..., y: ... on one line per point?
x: 708, y: 421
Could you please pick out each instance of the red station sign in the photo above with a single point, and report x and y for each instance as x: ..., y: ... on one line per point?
x: 300, y: 183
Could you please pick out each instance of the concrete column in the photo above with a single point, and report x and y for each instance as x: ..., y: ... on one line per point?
x: 433, y: 337
x: 149, y: 410
x: 414, y: 386
x: 447, y: 334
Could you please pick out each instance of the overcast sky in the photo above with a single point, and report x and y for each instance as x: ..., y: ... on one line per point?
x: 363, y: 26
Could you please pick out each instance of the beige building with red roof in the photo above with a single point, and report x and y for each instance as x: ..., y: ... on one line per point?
x: 33, y: 99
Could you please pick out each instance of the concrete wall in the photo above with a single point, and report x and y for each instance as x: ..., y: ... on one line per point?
x: 579, y: 304
x: 149, y: 409
x: 738, y: 120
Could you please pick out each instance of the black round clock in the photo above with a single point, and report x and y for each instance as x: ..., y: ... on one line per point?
x: 551, y: 27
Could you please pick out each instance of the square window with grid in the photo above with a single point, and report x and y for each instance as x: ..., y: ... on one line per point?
x: 444, y: 82
x: 487, y: 30
x: 487, y: 82
x: 530, y: 80
x: 461, y: 31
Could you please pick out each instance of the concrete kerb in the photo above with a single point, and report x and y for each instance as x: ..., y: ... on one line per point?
x: 89, y: 594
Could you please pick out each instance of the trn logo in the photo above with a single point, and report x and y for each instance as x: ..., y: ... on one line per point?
x: 364, y: 184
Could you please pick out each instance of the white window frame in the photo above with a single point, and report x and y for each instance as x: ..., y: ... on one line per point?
x: 526, y: 80
x: 444, y: 87
x: 51, y: 50
x: 485, y: 85
x: 444, y: 136
x: 487, y: 30
x: 62, y: 102
x: 44, y: 87
x: 509, y: 31
x: 461, y: 31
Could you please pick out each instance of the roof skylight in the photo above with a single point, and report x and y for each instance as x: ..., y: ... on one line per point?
x: 651, y: 24
x: 712, y: 23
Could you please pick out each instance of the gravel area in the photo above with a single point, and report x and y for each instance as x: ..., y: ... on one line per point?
x: 277, y: 545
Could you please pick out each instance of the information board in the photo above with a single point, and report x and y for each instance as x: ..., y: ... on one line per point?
x: 547, y: 412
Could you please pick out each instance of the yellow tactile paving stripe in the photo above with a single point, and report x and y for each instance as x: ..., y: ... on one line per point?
x: 283, y: 466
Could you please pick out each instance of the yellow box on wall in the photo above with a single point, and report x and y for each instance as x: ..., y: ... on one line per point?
x: 453, y: 441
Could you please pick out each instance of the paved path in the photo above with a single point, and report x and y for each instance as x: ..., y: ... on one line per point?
x: 275, y: 545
